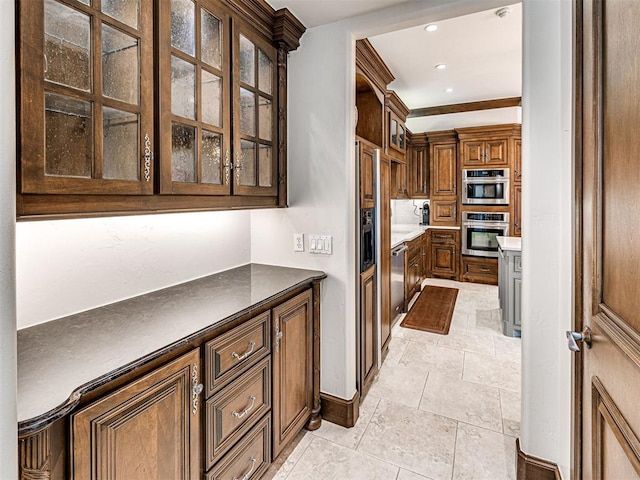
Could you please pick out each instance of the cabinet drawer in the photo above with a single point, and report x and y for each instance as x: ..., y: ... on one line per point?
x: 443, y: 236
x: 414, y: 247
x: 250, y: 458
x: 231, y: 353
x: 480, y: 270
x: 235, y: 409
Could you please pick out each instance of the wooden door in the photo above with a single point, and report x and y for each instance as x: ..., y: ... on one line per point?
x: 367, y: 176
x: 496, y: 153
x: 418, y: 171
x: 610, y: 264
x: 147, y: 429
x: 443, y: 170
x: 368, y: 334
x: 517, y: 160
x: 516, y: 218
x: 472, y: 153
x: 292, y: 368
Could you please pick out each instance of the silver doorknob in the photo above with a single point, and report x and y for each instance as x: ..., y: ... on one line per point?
x: 574, y: 337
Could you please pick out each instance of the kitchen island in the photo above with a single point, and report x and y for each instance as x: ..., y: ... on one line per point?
x: 510, y: 284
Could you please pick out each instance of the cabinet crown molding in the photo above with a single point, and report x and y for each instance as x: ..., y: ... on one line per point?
x: 368, y: 60
x: 397, y: 106
x: 287, y: 29
x: 504, y: 129
x: 442, y: 136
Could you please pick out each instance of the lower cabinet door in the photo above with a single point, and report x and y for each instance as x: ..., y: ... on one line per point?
x: 249, y: 459
x: 292, y: 368
x: 147, y: 429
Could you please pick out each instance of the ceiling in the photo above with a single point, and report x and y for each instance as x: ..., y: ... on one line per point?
x: 482, y: 53
x: 320, y: 12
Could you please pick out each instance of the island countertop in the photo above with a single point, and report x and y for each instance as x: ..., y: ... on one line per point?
x: 59, y: 360
x: 510, y: 243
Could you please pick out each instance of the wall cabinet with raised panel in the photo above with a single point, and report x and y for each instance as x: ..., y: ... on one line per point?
x: 113, y: 118
x: 443, y: 153
x: 418, y: 175
x: 487, y: 146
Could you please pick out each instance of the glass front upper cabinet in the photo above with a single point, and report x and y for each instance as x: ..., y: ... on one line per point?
x: 195, y: 99
x: 90, y: 128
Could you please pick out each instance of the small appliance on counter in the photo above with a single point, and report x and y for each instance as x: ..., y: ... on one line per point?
x: 425, y: 214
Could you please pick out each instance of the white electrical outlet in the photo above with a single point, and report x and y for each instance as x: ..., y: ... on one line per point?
x: 298, y: 242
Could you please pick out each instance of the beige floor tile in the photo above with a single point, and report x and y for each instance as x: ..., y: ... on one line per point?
x: 407, y: 475
x: 291, y: 458
x: 508, y: 348
x: 483, y: 455
x: 510, y: 405
x: 418, y: 441
x: 417, y: 335
x: 492, y: 371
x: 327, y: 460
x: 484, y: 322
x: 432, y: 358
x: 465, y: 401
x: 397, y: 347
x: 400, y: 383
x: 349, y: 437
x: 468, y: 341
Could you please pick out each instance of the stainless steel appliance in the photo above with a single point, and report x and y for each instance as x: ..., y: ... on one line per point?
x: 479, y: 232
x: 397, y: 280
x: 485, y: 187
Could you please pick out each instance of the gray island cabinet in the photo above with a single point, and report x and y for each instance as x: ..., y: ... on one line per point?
x: 210, y: 379
x: 510, y: 284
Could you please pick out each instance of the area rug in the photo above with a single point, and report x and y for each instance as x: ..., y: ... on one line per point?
x: 432, y: 311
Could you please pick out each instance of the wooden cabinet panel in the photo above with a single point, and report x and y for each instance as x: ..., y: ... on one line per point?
x: 516, y: 216
x: 250, y: 459
x: 496, y: 152
x: 444, y: 170
x: 414, y: 268
x: 147, y: 429
x: 480, y: 270
x: 234, y: 410
x: 472, y: 153
x: 231, y: 353
x: 368, y: 333
x: 293, y: 374
x: 418, y: 171
x: 444, y: 255
x: 444, y: 212
x: 517, y: 160
x: 367, y: 176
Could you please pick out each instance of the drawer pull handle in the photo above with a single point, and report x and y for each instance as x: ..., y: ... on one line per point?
x: 245, y: 354
x: 484, y: 269
x: 248, y: 474
x: 252, y: 398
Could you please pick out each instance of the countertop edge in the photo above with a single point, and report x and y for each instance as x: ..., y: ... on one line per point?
x: 40, y: 422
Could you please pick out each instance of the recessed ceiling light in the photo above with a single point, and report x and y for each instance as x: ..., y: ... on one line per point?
x: 432, y: 27
x: 440, y: 66
x: 448, y: 90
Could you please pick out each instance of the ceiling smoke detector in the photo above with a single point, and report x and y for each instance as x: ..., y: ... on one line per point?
x: 503, y: 12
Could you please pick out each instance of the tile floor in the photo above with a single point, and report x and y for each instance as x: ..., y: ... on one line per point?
x: 442, y: 407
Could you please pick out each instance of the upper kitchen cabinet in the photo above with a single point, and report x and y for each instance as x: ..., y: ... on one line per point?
x: 418, y: 165
x: 486, y: 146
x: 86, y: 103
x: 444, y: 177
x: 372, y: 78
x: 138, y: 106
x: 397, y: 111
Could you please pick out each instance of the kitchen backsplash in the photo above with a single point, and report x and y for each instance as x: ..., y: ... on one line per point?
x: 406, y: 211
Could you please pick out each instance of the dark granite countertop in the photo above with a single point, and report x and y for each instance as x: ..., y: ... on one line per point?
x: 60, y: 360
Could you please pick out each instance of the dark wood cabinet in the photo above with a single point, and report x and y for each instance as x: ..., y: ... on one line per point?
x: 516, y: 216
x: 293, y: 372
x: 487, y: 146
x: 398, y: 180
x: 114, y: 118
x: 161, y: 411
x: 414, y: 267
x: 517, y: 160
x: 479, y: 270
x: 385, y: 246
x: 444, y: 256
x: 443, y: 153
x: 418, y: 167
x: 396, y: 139
x: 367, y: 174
x: 368, y: 334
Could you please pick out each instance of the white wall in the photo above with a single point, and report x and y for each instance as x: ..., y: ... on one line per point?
x: 67, y: 266
x: 406, y: 211
x: 322, y: 170
x: 8, y: 415
x: 547, y: 231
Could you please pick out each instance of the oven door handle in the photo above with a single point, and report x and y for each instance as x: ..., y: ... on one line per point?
x: 486, y: 180
x: 485, y: 225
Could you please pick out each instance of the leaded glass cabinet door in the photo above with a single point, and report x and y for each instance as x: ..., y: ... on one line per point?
x: 255, y: 114
x: 195, y: 143
x: 86, y: 96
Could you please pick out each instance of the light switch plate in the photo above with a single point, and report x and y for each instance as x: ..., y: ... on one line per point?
x: 322, y: 244
x: 298, y: 242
